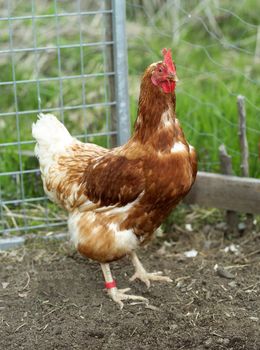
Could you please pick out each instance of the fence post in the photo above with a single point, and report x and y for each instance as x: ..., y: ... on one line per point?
x: 226, y: 168
x: 110, y: 67
x: 244, y: 148
x: 121, y: 71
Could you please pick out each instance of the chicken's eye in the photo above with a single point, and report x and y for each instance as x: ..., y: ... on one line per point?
x: 160, y: 70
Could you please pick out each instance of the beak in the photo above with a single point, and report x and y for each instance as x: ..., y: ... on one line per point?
x: 173, y: 76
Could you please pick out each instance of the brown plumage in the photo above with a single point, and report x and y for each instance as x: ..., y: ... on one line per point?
x: 117, y: 198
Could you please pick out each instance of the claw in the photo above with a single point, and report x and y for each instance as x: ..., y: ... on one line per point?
x: 144, y: 276
x: 119, y: 294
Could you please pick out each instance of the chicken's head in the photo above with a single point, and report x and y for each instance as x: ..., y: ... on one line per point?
x: 164, y: 73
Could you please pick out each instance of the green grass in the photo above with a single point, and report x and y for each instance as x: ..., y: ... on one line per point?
x: 213, y: 67
x: 214, y: 51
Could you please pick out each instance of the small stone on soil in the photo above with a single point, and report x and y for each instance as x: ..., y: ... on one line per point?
x: 221, y: 226
x: 232, y: 284
x: 224, y: 341
x: 255, y: 319
x: 222, y: 272
x: 208, y: 343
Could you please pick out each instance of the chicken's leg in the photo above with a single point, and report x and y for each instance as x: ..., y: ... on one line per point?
x: 117, y: 294
x: 143, y: 275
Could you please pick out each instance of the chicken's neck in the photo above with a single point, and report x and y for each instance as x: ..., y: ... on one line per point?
x: 156, y: 122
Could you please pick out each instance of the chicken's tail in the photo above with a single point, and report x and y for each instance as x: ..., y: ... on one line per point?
x: 51, y: 136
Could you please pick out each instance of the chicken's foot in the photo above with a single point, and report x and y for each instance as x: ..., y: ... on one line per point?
x: 145, y: 276
x: 117, y: 294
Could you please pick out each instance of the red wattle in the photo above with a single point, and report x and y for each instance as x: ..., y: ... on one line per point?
x: 168, y: 86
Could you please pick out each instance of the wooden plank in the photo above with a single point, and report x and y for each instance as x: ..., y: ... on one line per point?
x: 226, y: 192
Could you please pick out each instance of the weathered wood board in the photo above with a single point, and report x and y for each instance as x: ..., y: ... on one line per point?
x: 226, y: 192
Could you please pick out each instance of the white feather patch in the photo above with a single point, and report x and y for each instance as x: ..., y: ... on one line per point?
x: 166, y: 120
x: 178, y: 147
x: 125, y: 208
x: 125, y: 239
x: 73, y: 228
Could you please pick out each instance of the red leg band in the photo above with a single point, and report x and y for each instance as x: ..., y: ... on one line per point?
x: 110, y: 285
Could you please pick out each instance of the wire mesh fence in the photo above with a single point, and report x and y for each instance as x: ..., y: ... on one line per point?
x: 61, y: 57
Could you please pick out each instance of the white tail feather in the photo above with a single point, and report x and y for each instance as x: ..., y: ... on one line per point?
x: 51, y: 135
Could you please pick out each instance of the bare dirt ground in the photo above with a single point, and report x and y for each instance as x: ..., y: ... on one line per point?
x: 52, y: 298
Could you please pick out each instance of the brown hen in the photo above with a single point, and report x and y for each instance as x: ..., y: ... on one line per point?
x: 117, y: 198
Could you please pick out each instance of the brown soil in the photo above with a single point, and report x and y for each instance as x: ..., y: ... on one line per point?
x: 51, y: 298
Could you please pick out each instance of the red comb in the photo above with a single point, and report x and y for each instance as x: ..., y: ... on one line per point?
x: 168, y: 59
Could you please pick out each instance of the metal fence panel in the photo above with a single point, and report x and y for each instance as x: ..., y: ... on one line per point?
x: 65, y: 58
